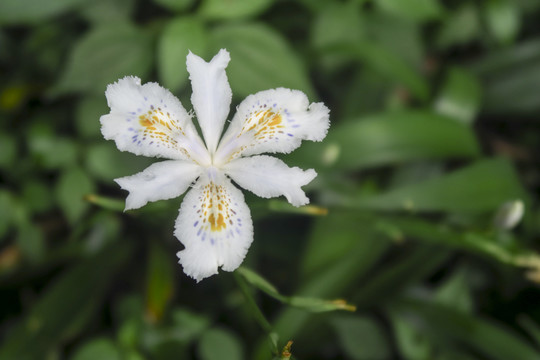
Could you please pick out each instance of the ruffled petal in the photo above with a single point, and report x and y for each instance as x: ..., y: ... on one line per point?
x: 273, y: 121
x: 215, y: 226
x: 212, y: 94
x: 148, y: 120
x: 160, y: 181
x: 267, y: 177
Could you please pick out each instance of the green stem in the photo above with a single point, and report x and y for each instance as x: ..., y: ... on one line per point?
x: 256, y: 311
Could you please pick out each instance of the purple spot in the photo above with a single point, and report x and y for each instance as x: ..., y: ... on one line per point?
x: 237, y: 231
x: 132, y: 112
x: 145, y: 98
x: 151, y: 142
x: 196, y: 223
x: 199, y: 232
x: 212, y: 242
x: 139, y: 109
x: 203, y: 237
x: 274, y: 105
x: 152, y: 107
x: 289, y: 134
x: 296, y: 126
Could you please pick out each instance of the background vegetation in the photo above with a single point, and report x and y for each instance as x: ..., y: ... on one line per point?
x: 434, y: 110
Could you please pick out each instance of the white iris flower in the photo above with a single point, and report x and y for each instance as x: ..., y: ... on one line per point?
x: 214, y: 222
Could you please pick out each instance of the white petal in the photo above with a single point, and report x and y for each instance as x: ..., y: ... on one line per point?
x: 148, y: 120
x: 212, y: 94
x: 215, y: 226
x: 267, y: 176
x: 273, y: 121
x: 160, y: 181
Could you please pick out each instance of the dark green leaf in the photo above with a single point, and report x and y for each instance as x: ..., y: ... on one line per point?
x: 482, y: 335
x: 66, y: 307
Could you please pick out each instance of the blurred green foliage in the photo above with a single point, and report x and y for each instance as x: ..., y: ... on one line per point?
x: 434, y: 111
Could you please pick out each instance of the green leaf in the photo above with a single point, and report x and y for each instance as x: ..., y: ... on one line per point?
x: 361, y: 337
x: 50, y: 151
x: 401, y: 37
x: 102, y: 349
x: 105, y: 162
x: 455, y: 292
x: 87, y: 115
x: 180, y: 35
x: 510, y: 77
x: 480, y: 187
x: 220, y: 344
x: 66, y: 307
x: 335, y: 277
x: 8, y: 150
x: 37, y: 196
x: 419, y: 263
x: 159, y: 282
x: 411, y: 343
x: 338, y: 23
x: 416, y: 10
x: 460, y: 96
x: 260, y: 59
x: 175, y: 5
x: 191, y: 324
x: 103, y: 11
x: 306, y: 303
x: 460, y: 27
x: 507, y: 252
x: 233, y: 9
x: 387, y: 63
x: 6, y: 209
x: 104, y: 55
x: 30, y: 11
x: 31, y: 241
x: 503, y: 20
x: 71, y: 189
x: 483, y: 336
x: 389, y: 138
